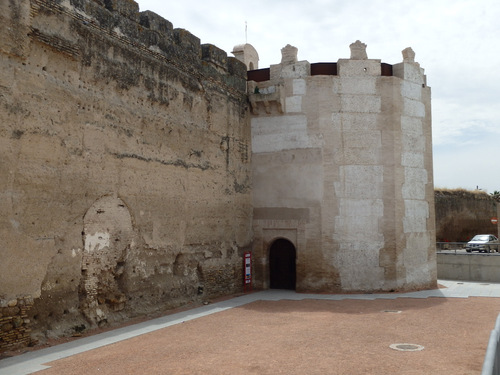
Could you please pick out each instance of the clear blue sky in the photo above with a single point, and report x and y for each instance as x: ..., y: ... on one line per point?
x: 457, y: 42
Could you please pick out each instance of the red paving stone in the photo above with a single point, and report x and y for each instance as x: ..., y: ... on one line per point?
x: 307, y: 337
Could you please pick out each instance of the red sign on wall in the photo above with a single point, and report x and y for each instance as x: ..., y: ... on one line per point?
x: 247, y: 270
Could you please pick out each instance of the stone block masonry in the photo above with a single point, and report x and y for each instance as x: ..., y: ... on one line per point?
x: 348, y: 145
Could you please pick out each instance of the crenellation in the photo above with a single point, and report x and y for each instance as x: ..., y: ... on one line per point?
x: 190, y: 44
x: 215, y: 56
x: 145, y: 31
x: 152, y: 21
x: 126, y: 8
x: 358, y: 51
x: 409, y: 70
x: 237, y: 73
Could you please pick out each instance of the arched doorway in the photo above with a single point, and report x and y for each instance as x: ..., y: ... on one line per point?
x: 282, y: 271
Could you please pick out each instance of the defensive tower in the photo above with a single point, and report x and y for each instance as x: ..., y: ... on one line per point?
x: 342, y: 174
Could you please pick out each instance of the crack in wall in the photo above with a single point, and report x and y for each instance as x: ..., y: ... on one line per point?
x: 176, y: 163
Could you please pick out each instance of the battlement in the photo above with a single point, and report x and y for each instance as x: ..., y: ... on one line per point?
x: 266, y: 85
x: 145, y: 31
x: 357, y: 65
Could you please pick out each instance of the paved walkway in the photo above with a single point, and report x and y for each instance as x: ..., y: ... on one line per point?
x: 34, y: 361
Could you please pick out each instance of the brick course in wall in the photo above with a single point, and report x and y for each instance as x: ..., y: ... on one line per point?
x: 14, y: 323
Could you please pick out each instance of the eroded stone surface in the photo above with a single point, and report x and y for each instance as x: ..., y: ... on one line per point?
x: 125, y: 148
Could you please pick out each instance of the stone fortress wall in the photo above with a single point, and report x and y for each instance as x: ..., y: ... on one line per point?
x: 125, y: 166
x: 136, y: 170
x: 461, y: 214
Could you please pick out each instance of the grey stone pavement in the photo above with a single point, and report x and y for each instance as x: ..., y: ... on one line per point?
x: 31, y: 362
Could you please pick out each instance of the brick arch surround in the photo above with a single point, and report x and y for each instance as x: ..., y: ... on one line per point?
x: 266, y: 233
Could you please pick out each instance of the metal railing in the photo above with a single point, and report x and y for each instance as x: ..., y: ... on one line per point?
x: 491, y: 364
x: 453, y: 246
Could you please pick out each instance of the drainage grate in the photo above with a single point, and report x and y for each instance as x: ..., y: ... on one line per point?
x: 406, y: 347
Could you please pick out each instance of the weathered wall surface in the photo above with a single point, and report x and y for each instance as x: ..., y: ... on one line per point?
x: 124, y: 164
x: 461, y: 214
x: 342, y: 168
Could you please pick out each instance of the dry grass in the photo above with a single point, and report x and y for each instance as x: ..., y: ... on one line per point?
x: 463, y: 193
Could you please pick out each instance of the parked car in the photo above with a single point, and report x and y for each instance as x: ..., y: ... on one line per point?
x: 483, y: 242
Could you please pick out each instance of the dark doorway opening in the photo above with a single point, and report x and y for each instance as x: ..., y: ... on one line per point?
x: 282, y: 270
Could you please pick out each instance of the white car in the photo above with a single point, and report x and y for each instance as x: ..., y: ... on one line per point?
x: 483, y: 242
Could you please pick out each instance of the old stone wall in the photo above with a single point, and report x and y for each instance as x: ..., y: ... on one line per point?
x: 342, y: 170
x: 124, y: 164
x: 461, y: 214
x: 14, y: 323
